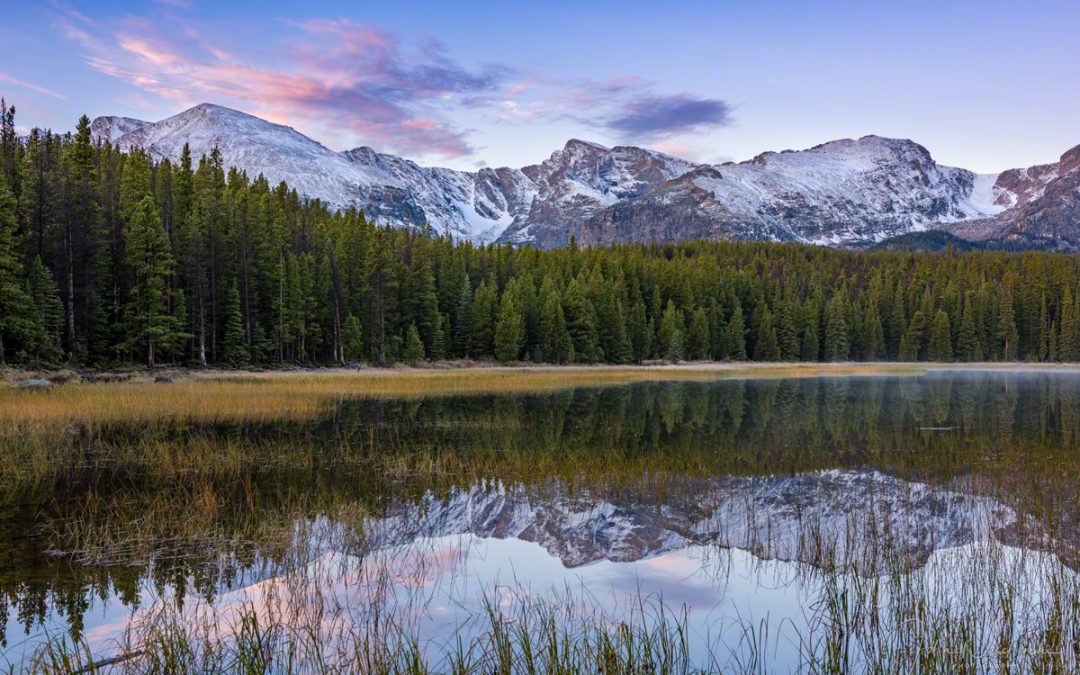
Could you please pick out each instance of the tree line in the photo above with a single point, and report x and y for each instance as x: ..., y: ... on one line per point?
x: 110, y: 257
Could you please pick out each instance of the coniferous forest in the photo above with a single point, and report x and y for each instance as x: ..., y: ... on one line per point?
x: 111, y: 258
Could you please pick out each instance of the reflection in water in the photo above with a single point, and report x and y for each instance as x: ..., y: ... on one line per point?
x: 728, y: 500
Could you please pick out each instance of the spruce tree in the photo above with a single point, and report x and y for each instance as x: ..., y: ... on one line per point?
x: 18, y: 318
x: 235, y: 349
x: 1069, y: 339
x: 697, y: 336
x: 147, y: 319
x: 736, y: 335
x: 940, y: 345
x: 967, y: 341
x: 352, y: 341
x: 836, y: 332
x: 48, y: 311
x: 482, y: 329
x: 767, y: 345
x: 1007, y: 334
x: 581, y: 324
x: 509, y: 330
x: 556, y: 345
x: 414, y: 346
x: 670, y: 333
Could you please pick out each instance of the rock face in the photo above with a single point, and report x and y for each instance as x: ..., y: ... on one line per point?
x: 1045, y: 208
x: 773, y: 516
x: 841, y: 193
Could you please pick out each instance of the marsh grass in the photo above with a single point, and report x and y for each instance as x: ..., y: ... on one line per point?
x: 253, y: 397
x: 986, y: 607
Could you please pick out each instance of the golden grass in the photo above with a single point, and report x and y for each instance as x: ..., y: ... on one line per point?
x: 229, y: 396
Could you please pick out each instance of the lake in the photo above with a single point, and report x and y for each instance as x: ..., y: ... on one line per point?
x: 893, y: 522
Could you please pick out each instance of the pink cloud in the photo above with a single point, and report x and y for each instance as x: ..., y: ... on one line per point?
x: 344, y: 76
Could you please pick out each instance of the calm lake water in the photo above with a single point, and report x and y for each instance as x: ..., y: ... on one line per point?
x: 745, y: 512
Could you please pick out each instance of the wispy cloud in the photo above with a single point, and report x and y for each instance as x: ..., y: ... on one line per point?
x: 340, y: 74
x: 356, y: 83
x: 9, y: 79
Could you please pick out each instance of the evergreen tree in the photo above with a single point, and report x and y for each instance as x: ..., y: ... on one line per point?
x: 787, y: 331
x: 736, y: 335
x: 1007, y: 334
x: 873, y: 334
x: 581, y: 324
x: 697, y: 337
x: 149, y: 324
x: 912, y: 345
x: 767, y: 346
x: 48, y: 311
x: 414, y: 346
x: 509, y: 330
x: 670, y: 333
x: 352, y: 338
x: 482, y: 329
x: 967, y: 341
x: 836, y: 332
x: 235, y: 346
x: 18, y: 318
x: 940, y: 346
x: 556, y: 345
x: 1068, y: 346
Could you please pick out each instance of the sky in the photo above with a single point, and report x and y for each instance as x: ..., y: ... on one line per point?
x: 983, y: 85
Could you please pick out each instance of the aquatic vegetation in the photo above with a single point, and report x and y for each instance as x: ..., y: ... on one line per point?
x: 886, y: 523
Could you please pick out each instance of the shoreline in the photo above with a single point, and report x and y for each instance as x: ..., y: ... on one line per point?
x: 12, y: 376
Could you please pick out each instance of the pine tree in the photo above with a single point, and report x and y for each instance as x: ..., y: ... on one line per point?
x: 48, y: 311
x: 767, y: 345
x: 670, y: 333
x: 697, y: 336
x: 414, y: 346
x: 940, y: 346
x: 509, y: 330
x: 556, y: 345
x: 581, y: 324
x: 873, y: 333
x: 736, y: 335
x: 787, y: 332
x: 482, y: 329
x: 462, y: 318
x: 1069, y: 338
x: 836, y: 333
x: 149, y: 257
x: 967, y: 341
x: 912, y: 345
x: 352, y: 341
x: 235, y: 349
x: 18, y: 318
x: 1007, y: 334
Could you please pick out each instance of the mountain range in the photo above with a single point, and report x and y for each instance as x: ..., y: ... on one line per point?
x: 846, y: 193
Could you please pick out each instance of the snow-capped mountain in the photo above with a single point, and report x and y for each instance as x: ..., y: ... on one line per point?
x: 476, y: 206
x: 1043, y: 208
x: 783, y: 517
x: 841, y: 193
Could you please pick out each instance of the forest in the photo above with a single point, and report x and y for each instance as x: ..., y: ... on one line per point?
x: 111, y: 258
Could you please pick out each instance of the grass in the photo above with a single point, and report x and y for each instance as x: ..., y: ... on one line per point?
x: 980, y: 608
x: 225, y: 396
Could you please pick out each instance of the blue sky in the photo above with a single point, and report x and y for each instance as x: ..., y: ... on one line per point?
x: 987, y: 85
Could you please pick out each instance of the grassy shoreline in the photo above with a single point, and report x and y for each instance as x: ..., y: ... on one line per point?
x: 236, y: 395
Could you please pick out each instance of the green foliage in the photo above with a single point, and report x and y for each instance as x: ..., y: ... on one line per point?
x: 509, y: 329
x: 940, y: 347
x: 669, y: 336
x: 414, y: 346
x: 108, y: 255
